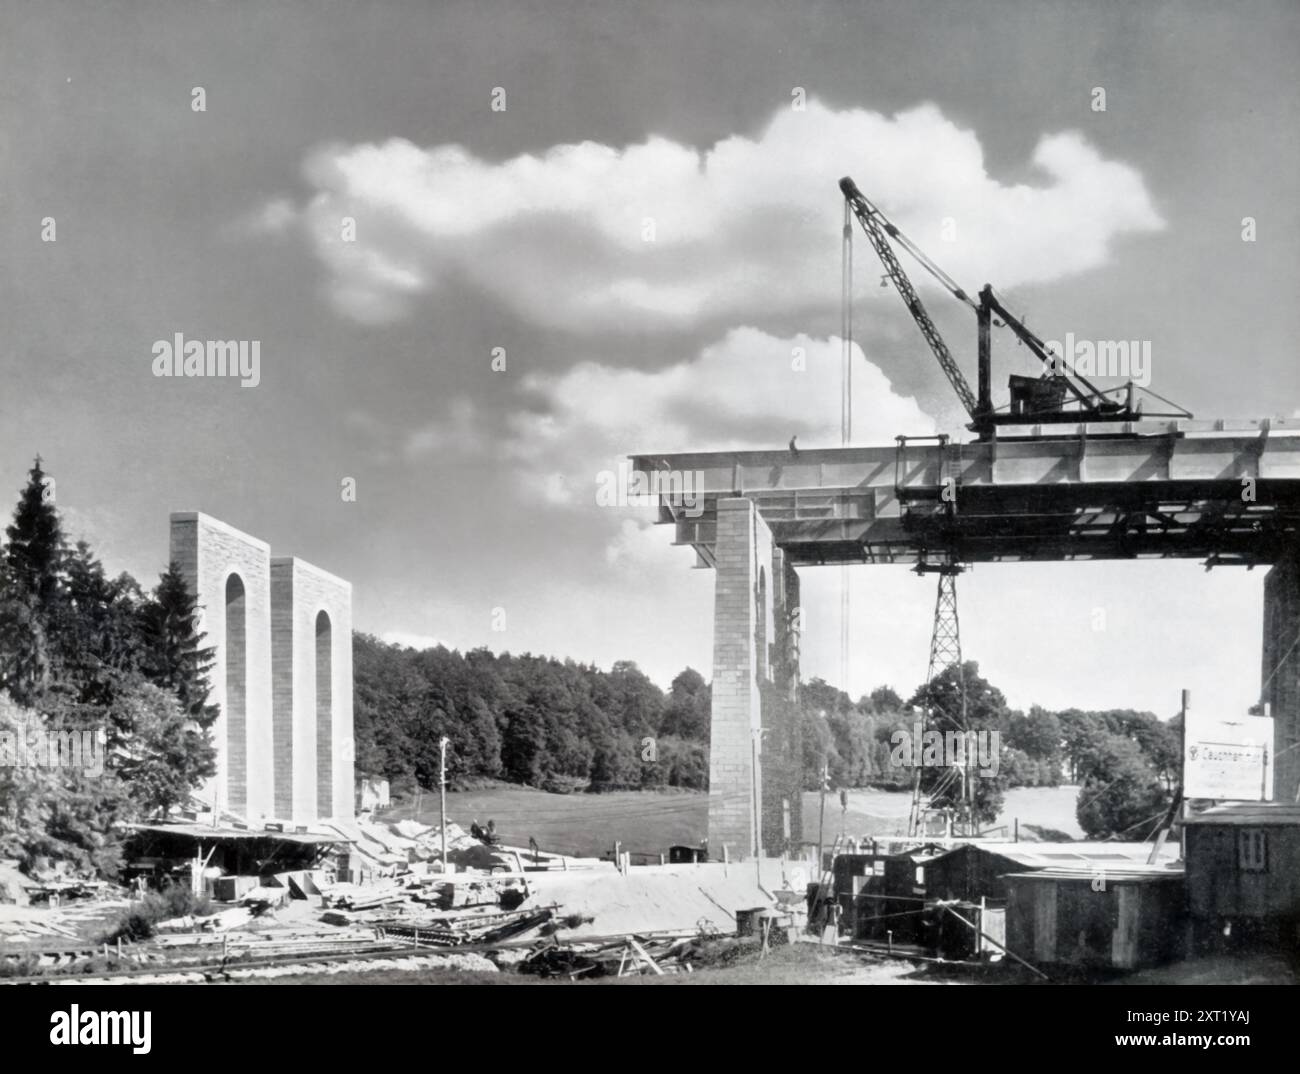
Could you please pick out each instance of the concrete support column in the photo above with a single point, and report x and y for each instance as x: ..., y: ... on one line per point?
x: 1281, y: 672
x: 229, y: 573
x: 742, y: 625
x: 311, y: 646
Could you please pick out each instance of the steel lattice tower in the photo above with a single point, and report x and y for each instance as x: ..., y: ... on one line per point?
x: 945, y: 653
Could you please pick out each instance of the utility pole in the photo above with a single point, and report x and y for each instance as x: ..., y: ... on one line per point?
x: 1177, y: 806
x: 1182, y: 776
x: 442, y: 794
x: 821, y: 827
x: 755, y: 737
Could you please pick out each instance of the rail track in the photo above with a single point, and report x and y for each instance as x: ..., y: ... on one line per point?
x: 220, y: 970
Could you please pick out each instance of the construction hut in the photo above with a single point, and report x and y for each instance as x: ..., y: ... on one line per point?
x: 971, y: 881
x: 1123, y: 917
x: 975, y: 871
x: 231, y: 861
x: 1243, y: 871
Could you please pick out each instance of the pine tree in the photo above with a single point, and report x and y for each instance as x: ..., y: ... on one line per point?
x: 34, y: 554
x: 175, y: 657
x: 96, y: 635
x: 30, y: 584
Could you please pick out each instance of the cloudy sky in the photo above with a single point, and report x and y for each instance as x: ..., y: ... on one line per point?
x: 634, y: 206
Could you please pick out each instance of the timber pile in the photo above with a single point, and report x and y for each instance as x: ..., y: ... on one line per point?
x: 54, y: 889
x: 34, y: 929
x: 205, y: 947
x: 461, y: 890
x: 453, y: 930
x: 624, y: 956
x: 351, y: 897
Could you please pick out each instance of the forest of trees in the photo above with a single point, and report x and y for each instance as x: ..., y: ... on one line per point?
x: 565, y: 726
x: 525, y: 719
x: 81, y: 650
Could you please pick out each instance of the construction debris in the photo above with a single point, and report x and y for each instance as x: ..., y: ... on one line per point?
x: 373, y: 888
x: 623, y: 956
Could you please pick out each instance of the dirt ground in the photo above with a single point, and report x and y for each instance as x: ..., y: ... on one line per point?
x: 806, y: 963
x: 794, y: 964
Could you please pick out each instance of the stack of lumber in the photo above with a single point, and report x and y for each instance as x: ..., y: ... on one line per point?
x: 352, y: 897
x: 621, y: 956
x: 452, y: 930
x: 18, y: 924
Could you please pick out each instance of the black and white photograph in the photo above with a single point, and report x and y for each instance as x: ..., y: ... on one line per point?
x: 572, y: 494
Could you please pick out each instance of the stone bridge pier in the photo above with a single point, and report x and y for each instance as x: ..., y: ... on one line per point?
x: 754, y: 759
x: 280, y: 631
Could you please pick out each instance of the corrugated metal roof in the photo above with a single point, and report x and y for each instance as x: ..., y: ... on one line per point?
x: 1048, y: 855
x: 1249, y: 814
x: 1133, y: 873
x: 209, y: 832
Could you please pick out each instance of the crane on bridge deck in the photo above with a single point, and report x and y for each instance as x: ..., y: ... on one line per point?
x: 1061, y: 394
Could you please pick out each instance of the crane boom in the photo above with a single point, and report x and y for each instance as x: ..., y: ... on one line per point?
x: 876, y: 226
x: 1039, y: 400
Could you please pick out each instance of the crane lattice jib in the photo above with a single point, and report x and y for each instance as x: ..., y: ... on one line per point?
x: 875, y: 228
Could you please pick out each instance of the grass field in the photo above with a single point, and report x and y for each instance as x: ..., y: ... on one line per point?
x: 648, y: 822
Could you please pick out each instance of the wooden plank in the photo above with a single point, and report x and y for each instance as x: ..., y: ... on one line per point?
x: 645, y: 955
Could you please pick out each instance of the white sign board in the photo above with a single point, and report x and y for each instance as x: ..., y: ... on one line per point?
x: 1228, y: 759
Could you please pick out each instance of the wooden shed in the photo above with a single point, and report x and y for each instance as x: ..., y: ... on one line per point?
x: 978, y: 870
x: 1243, y: 864
x: 1126, y: 918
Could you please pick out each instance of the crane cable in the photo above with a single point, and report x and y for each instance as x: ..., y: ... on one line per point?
x: 846, y: 330
x: 948, y: 283
x: 846, y: 413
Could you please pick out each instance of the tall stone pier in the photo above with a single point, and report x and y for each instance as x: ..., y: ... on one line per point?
x: 754, y: 802
x: 281, y: 634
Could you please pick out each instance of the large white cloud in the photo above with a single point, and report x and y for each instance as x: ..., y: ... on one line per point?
x: 660, y: 235
x: 749, y: 390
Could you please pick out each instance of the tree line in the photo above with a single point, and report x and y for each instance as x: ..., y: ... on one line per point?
x: 565, y: 726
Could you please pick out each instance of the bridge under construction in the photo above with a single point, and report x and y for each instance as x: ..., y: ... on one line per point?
x: 1064, y: 470
x: 1225, y: 493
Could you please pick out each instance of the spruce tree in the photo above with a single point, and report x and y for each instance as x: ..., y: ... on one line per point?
x: 30, y: 583
x: 35, y: 550
x: 175, y: 657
